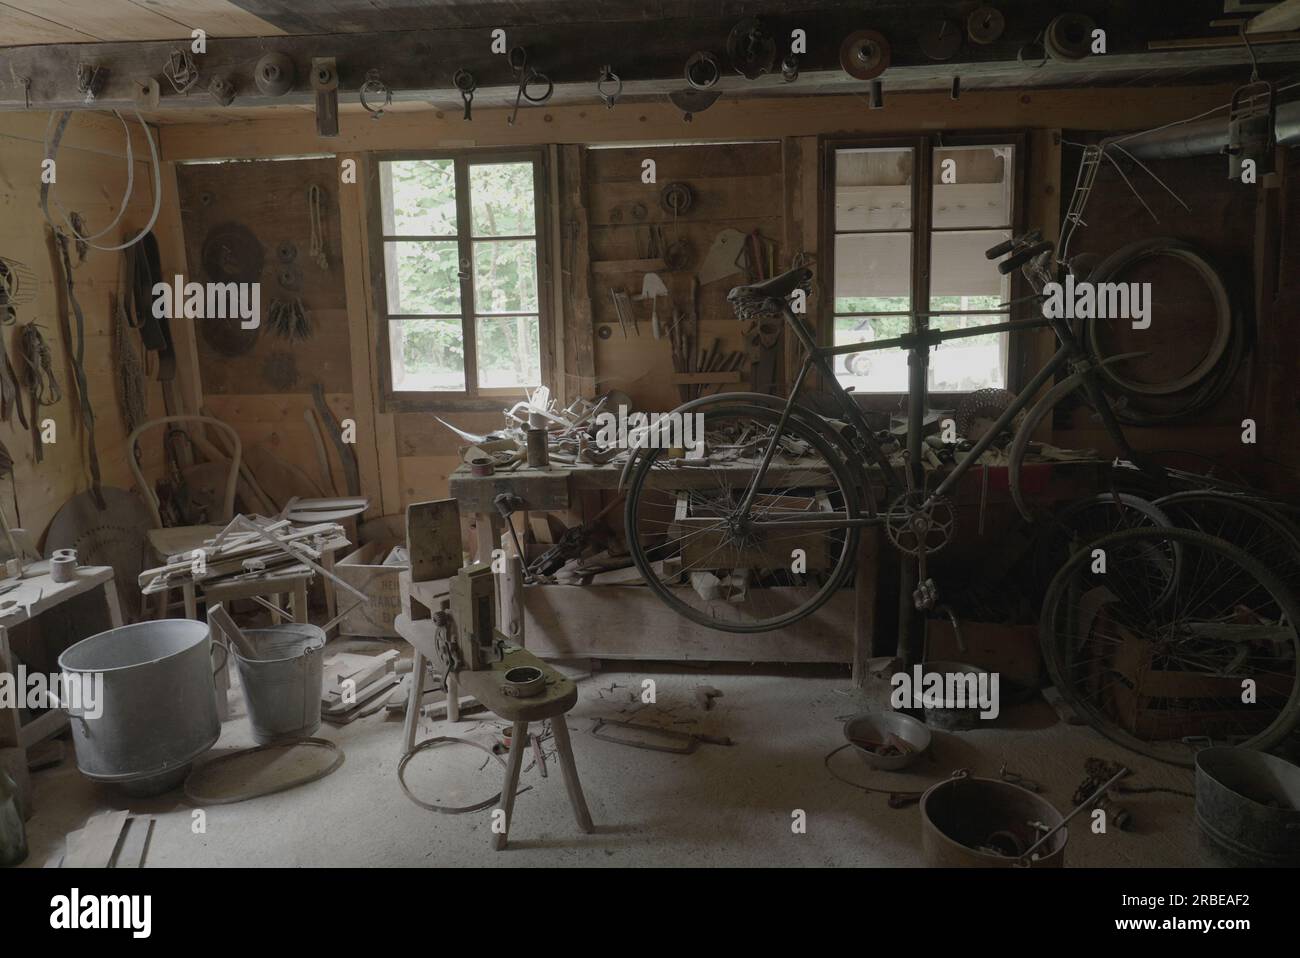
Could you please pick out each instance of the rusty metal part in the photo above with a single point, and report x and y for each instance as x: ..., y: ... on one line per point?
x: 376, y: 89
x: 751, y: 48
x: 480, y: 467
x: 702, y: 71
x: 985, y: 24
x: 865, y: 54
x: 676, y: 197
x: 222, y: 90
x: 691, y: 102
x: 325, y: 82
x: 274, y: 74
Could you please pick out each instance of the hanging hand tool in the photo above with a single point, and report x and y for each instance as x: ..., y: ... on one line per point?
x: 652, y: 287
x: 464, y: 82
x: 527, y: 76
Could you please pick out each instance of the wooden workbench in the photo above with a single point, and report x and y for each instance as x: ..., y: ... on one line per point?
x: 37, y: 592
x: 628, y: 621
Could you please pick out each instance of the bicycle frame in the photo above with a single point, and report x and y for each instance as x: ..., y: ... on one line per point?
x: 1070, y: 353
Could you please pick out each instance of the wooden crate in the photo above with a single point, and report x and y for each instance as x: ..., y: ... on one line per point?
x: 364, y: 570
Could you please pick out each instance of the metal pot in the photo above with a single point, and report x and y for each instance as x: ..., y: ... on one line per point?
x: 961, y: 815
x: 158, y: 709
x: 1248, y: 804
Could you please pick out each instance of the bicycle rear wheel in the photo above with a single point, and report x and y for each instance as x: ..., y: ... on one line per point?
x: 1216, y: 660
x: 740, y: 573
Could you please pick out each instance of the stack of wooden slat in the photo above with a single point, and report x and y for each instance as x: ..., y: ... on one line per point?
x: 248, y: 550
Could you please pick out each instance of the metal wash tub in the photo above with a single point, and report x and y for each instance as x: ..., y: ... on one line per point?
x: 158, y: 710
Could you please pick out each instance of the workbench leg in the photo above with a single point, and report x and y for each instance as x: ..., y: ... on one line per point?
x: 511, y: 585
x: 864, y: 604
x: 300, y: 601
x: 412, y: 721
x: 453, y: 697
x: 114, y: 603
x: 569, y: 769
x: 277, y: 600
x: 331, y: 594
x: 191, y: 601
x: 518, y: 745
x: 10, y: 717
x: 487, y: 533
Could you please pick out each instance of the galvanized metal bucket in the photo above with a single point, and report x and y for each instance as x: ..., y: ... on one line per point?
x: 158, y: 709
x: 1248, y: 804
x: 282, y: 685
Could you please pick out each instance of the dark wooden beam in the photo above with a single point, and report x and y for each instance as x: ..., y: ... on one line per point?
x: 648, y: 55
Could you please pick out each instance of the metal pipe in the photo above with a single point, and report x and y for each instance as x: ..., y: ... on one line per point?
x: 1206, y: 137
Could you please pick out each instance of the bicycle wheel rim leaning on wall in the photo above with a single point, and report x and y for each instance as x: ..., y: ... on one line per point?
x: 1058, y: 630
x: 641, y: 503
x: 1210, y: 362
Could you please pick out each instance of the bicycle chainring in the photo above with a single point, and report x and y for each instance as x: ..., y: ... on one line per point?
x: 914, y: 526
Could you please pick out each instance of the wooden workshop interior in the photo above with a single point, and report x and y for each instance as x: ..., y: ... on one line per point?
x: 603, y: 387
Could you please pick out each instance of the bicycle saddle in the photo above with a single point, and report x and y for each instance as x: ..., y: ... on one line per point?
x: 769, y: 295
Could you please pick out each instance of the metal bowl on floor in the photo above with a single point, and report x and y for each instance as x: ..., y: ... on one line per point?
x: 949, y: 716
x: 876, y: 727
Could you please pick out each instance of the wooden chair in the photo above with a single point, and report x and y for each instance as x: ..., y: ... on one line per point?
x: 176, y: 540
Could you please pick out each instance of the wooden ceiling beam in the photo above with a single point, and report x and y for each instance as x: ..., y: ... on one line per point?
x: 649, y: 56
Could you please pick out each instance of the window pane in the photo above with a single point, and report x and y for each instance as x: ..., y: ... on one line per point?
x: 427, y: 354
x: 972, y: 186
x: 505, y: 276
x: 501, y: 197
x: 879, y: 371
x: 509, y: 351
x: 873, y: 272
x: 873, y: 189
x: 977, y: 362
x: 422, y: 277
x: 961, y: 276
x: 419, y: 197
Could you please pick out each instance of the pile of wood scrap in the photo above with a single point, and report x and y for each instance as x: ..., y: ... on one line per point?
x: 252, y: 550
x: 108, y: 840
x: 353, y: 685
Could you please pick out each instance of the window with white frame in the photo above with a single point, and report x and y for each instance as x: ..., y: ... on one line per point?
x: 462, y: 303
x: 900, y: 263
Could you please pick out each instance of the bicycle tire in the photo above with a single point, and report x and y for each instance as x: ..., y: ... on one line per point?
x: 848, y: 486
x: 810, y: 418
x: 1133, y: 253
x: 1049, y: 638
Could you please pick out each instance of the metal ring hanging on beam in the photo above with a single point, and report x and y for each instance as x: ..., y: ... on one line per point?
x: 676, y: 198
x: 607, y: 77
x: 375, y: 87
x: 702, y: 70
x: 865, y: 54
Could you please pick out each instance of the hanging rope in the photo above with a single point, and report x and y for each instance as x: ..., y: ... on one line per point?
x: 316, y: 208
x: 75, y: 339
x: 42, y: 385
x: 130, y: 371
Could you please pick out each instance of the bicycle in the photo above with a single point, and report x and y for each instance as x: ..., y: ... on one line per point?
x: 800, y: 519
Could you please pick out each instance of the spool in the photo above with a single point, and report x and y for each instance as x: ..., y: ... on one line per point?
x: 480, y: 467
x: 538, y: 454
x: 63, y: 565
x: 1069, y: 36
x: 524, y: 682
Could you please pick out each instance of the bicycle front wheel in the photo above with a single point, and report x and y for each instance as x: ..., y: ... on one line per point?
x: 744, y: 570
x: 1215, y: 660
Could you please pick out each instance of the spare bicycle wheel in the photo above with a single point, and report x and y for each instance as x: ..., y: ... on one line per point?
x: 1251, y: 525
x: 1216, y: 661
x: 751, y: 570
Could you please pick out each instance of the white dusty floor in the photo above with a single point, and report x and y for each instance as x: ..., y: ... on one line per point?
x: 719, y: 806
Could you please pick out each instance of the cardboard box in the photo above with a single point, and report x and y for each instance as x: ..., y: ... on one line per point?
x: 365, y: 570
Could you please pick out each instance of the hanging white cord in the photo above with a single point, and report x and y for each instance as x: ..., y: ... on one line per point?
x: 130, y: 176
x: 51, y: 151
x: 315, y: 204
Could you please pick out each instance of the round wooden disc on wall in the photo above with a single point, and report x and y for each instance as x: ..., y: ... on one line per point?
x: 864, y: 54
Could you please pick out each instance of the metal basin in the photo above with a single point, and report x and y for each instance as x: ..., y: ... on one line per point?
x: 874, y: 726
x: 962, y: 816
x: 1248, y: 804
x: 951, y: 718
x: 159, y: 705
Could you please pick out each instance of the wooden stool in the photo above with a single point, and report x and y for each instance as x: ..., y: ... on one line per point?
x: 487, y: 686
